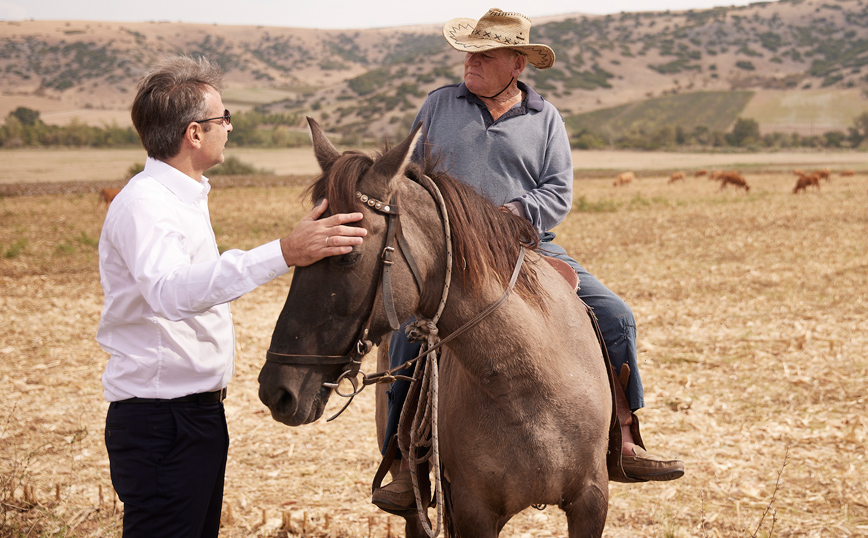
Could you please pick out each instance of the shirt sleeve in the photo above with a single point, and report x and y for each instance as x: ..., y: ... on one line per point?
x: 176, y: 276
x: 548, y: 202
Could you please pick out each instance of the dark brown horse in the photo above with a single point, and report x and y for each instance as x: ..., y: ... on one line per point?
x: 524, y: 396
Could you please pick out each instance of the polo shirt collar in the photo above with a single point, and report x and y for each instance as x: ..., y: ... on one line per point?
x: 534, y: 100
x: 180, y: 184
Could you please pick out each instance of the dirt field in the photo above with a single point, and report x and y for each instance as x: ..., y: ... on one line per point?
x: 752, y: 311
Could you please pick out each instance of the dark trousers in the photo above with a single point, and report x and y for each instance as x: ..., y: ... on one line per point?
x: 168, y: 461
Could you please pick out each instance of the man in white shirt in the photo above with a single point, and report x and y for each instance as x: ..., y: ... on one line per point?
x: 166, y: 322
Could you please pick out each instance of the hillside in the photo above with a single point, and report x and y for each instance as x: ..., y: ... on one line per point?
x: 710, y: 109
x: 370, y: 82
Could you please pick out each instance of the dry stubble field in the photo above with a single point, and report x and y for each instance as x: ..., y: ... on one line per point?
x: 752, y: 311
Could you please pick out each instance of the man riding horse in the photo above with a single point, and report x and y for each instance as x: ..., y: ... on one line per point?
x: 501, y: 137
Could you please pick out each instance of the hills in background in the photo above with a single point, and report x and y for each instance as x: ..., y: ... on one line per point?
x: 793, y: 65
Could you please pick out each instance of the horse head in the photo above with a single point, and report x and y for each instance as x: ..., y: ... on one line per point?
x: 333, y: 313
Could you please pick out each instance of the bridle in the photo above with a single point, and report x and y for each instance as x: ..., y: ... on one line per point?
x: 352, y: 361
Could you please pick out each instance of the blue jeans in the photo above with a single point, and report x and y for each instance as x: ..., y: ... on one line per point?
x: 613, y: 315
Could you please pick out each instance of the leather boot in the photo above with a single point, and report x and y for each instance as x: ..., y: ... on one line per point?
x: 397, y: 496
x: 646, y: 467
x: 640, y: 465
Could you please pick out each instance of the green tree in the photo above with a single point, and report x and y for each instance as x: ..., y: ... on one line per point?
x: 28, y: 117
x: 12, y: 133
x: 587, y: 140
x: 701, y: 135
x: 859, y: 131
x: 664, y: 137
x: 834, y: 139
x: 745, y: 131
x: 680, y: 136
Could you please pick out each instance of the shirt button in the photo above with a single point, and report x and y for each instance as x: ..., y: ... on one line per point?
x: 271, y: 274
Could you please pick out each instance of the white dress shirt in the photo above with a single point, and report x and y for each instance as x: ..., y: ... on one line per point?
x: 166, y: 322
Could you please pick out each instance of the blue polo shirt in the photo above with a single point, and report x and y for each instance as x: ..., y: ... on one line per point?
x: 524, y: 156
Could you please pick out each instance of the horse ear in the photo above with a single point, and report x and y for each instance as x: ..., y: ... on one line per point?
x: 325, y: 152
x: 390, y: 167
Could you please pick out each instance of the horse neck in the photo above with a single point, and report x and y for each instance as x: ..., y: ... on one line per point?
x: 498, y: 334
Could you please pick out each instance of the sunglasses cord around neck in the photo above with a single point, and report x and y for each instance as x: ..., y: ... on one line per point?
x: 501, y: 91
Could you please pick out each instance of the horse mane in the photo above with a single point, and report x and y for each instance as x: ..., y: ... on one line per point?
x: 486, y: 239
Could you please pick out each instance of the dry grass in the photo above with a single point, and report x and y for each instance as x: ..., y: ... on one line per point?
x: 752, y: 312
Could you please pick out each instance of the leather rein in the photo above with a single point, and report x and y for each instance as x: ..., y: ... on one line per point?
x: 352, y: 361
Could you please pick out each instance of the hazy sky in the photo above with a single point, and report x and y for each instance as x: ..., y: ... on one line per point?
x: 322, y: 13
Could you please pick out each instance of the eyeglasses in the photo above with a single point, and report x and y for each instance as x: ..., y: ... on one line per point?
x: 226, y: 118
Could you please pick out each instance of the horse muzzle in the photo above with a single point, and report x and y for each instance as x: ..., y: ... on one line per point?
x: 289, y: 405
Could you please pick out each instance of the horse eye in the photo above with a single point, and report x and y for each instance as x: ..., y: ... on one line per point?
x: 347, y: 260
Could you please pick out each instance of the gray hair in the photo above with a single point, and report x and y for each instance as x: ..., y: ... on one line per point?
x: 171, y: 96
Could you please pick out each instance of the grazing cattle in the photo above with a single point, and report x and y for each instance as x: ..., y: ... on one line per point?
x: 700, y: 173
x: 733, y: 178
x: 806, y: 181
x: 624, y: 178
x: 799, y: 172
x: 846, y: 173
x: 823, y: 174
x: 715, y: 175
x: 107, y: 195
x: 677, y: 176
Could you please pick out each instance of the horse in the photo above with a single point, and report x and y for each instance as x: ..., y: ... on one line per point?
x: 525, y: 402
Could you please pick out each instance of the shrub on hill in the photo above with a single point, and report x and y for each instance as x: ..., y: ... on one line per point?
x: 24, y: 128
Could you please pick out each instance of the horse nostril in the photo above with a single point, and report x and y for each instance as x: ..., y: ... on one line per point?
x: 286, y: 404
x: 280, y: 401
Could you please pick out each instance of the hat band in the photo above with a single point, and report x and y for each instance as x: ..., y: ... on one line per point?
x: 493, y: 36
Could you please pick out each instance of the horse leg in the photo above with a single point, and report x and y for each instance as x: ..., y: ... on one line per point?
x: 586, y: 514
x: 470, y: 518
x: 413, y: 527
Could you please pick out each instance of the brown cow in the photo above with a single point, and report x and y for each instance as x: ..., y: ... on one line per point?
x: 107, y: 195
x: 677, y: 176
x: 823, y: 174
x: 846, y: 173
x: 733, y: 178
x: 624, y: 178
x: 700, y: 173
x: 806, y: 181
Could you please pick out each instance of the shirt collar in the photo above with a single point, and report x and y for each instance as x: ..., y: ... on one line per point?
x: 182, y: 185
x: 534, y: 100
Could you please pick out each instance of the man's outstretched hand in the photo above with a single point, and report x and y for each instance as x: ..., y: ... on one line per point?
x: 313, y: 239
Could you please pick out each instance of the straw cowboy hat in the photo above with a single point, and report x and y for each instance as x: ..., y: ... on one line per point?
x: 495, y: 30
